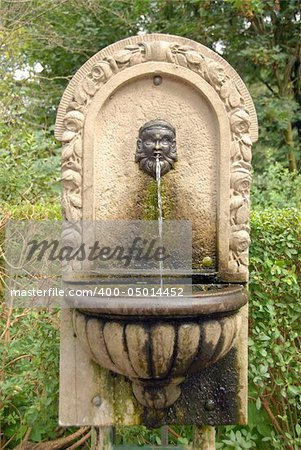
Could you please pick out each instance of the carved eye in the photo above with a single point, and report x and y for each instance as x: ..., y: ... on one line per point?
x: 165, y: 141
x: 148, y: 143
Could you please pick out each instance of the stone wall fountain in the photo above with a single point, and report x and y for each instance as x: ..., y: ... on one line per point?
x: 185, y: 117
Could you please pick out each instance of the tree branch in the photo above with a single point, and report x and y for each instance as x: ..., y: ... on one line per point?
x: 80, y: 442
x: 57, y: 444
x: 269, y: 87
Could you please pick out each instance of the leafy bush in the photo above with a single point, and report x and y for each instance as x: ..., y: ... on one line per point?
x: 28, y: 211
x: 276, y: 187
x: 29, y: 346
x: 237, y: 438
x: 275, y: 344
x: 30, y: 361
x: 275, y: 329
x: 29, y: 162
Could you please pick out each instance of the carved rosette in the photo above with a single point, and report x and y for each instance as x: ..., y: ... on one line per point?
x: 210, y: 70
x: 156, y: 356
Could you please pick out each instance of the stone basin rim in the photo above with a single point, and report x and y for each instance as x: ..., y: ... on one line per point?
x: 222, y: 301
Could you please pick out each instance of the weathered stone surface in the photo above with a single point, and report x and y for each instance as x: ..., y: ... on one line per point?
x: 117, y: 126
x: 81, y: 380
x: 117, y: 85
x: 188, y: 344
x: 163, y: 344
x: 114, y: 340
x: 156, y: 356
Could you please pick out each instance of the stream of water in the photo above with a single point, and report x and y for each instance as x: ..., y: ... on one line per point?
x: 160, y: 218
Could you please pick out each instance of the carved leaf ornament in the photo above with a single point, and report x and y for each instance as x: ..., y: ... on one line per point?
x: 211, y: 71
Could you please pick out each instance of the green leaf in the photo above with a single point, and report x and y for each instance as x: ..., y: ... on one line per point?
x: 258, y: 403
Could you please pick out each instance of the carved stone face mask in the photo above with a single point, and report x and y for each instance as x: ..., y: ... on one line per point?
x: 157, y: 140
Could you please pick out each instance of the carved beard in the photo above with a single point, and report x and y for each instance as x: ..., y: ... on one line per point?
x: 148, y: 164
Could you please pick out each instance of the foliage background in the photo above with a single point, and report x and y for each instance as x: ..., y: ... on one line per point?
x: 43, y: 43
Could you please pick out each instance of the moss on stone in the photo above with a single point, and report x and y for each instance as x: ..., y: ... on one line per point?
x: 151, y: 201
x: 117, y: 390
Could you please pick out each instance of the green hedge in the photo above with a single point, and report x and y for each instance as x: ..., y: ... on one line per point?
x: 30, y: 347
x: 275, y: 327
x: 275, y: 330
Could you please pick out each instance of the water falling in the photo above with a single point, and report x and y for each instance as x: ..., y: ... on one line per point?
x: 160, y: 218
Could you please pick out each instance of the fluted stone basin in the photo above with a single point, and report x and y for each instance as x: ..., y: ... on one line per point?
x: 157, y: 344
